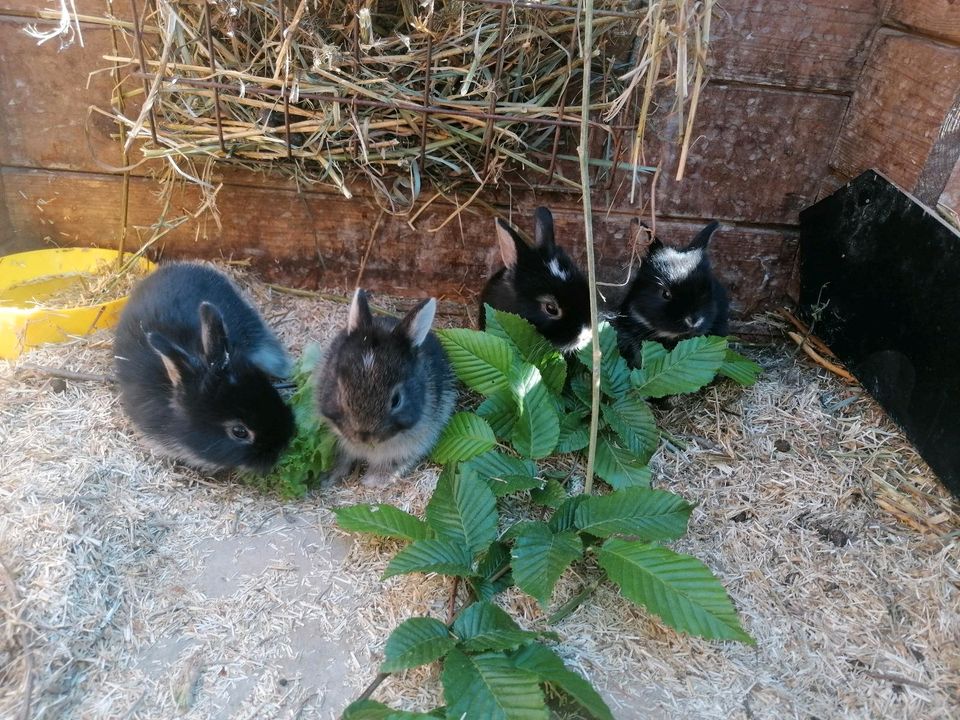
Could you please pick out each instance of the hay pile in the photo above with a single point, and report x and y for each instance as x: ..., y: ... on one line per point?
x: 147, y: 590
x: 395, y: 93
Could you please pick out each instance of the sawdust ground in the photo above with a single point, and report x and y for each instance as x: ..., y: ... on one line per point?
x: 148, y: 590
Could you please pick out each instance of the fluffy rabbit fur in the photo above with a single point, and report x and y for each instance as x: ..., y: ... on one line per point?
x: 386, y: 389
x: 541, y: 284
x: 674, y: 296
x: 194, y: 361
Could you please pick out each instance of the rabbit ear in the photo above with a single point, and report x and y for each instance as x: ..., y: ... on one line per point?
x: 509, y: 243
x: 703, y: 237
x: 213, y: 334
x: 360, y: 315
x: 543, y: 230
x: 175, y: 359
x: 416, y: 324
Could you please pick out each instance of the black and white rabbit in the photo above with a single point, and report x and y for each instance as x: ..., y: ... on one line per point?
x: 540, y: 284
x: 674, y: 296
x: 386, y: 389
x: 194, y: 361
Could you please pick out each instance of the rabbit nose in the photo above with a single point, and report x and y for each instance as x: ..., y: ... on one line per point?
x: 692, y: 322
x: 364, y: 435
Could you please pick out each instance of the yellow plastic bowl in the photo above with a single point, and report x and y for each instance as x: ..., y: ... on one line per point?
x: 24, y: 325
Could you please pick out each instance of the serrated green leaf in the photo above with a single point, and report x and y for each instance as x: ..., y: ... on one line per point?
x: 463, y: 510
x: 649, y: 514
x: 549, y: 668
x: 614, y: 371
x: 580, y: 391
x: 619, y: 467
x: 692, y: 364
x: 537, y: 428
x: 574, y: 432
x: 415, y: 642
x: 631, y: 419
x: 551, y: 495
x: 741, y: 370
x: 432, y: 556
x: 563, y: 517
x: 501, y: 411
x: 489, y: 687
x: 465, y: 436
x: 540, y: 556
x: 680, y: 589
x: 373, y: 710
x: 483, y: 626
x: 530, y: 346
x: 505, y: 474
x: 496, y: 558
x: 383, y: 520
x: 480, y: 360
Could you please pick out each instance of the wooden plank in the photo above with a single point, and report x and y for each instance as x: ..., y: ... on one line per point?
x: 907, y: 89
x: 317, y: 240
x: 93, y: 8
x: 806, y: 44
x: 939, y: 18
x: 758, y: 156
x: 46, y: 94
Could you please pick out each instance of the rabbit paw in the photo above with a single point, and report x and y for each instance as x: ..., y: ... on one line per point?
x: 379, y: 477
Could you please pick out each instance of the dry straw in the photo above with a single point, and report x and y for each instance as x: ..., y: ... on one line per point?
x: 396, y: 93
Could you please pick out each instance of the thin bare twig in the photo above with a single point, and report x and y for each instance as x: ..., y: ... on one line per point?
x: 66, y: 374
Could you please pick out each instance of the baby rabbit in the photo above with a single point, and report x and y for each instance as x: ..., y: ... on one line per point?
x: 541, y: 284
x: 674, y: 296
x: 386, y: 389
x: 194, y: 361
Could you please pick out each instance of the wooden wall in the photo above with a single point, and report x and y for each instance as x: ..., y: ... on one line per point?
x: 789, y: 112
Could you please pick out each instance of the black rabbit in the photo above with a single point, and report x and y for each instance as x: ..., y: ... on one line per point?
x: 541, y: 284
x: 674, y: 296
x: 194, y: 361
x: 386, y: 389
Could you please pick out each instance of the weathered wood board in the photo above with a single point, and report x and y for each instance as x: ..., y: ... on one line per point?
x: 937, y: 18
x: 908, y: 87
x: 799, y: 44
x: 317, y: 240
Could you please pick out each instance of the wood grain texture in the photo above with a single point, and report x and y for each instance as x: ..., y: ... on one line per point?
x: 758, y: 156
x: 939, y: 18
x: 908, y: 86
x: 807, y: 44
x: 46, y: 94
x: 316, y: 240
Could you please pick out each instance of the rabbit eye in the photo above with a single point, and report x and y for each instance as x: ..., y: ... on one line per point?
x: 396, y: 400
x: 240, y: 432
x: 551, y: 309
x: 666, y: 294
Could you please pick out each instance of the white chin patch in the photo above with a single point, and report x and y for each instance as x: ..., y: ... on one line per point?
x: 581, y: 341
x: 675, y: 265
x: 557, y: 271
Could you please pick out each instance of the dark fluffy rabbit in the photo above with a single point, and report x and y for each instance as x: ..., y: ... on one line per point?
x: 194, y: 361
x: 386, y: 389
x: 541, y: 284
x: 674, y: 296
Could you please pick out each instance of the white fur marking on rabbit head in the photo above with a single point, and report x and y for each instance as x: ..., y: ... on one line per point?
x: 557, y: 271
x: 675, y: 265
x: 368, y: 359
